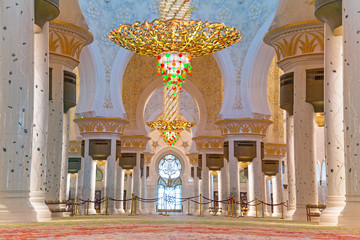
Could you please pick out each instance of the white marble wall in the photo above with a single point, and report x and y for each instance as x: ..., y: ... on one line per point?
x: 17, y: 87
x: 334, y: 136
x: 40, y: 124
x: 351, y: 38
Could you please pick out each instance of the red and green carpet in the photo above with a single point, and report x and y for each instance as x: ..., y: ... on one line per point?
x: 172, y: 227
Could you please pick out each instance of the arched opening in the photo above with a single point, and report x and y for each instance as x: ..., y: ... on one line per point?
x: 169, y: 184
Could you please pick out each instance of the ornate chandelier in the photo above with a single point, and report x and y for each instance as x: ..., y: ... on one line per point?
x: 174, y: 40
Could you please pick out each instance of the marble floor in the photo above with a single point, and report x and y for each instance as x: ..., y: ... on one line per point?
x: 173, y: 227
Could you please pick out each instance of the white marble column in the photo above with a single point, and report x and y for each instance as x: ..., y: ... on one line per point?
x: 233, y: 171
x: 196, y: 190
x: 110, y: 176
x: 256, y: 180
x: 350, y: 216
x: 304, y: 145
x: 267, y: 197
x: 143, y: 189
x: 40, y: 124
x: 89, y: 178
x: 64, y: 156
x: 17, y: 87
x: 55, y: 135
x: 119, y: 189
x: 80, y: 184
x: 136, y: 182
x: 290, y: 160
x: 278, y: 193
x: 334, y: 136
x: 223, y: 194
x: 205, y: 184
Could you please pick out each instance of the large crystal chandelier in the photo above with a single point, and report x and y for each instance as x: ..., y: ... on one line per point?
x: 174, y: 40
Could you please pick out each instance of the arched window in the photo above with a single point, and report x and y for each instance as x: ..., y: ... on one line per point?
x: 318, y: 176
x: 169, y: 184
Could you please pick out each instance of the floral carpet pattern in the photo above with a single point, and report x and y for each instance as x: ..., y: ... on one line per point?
x: 173, y: 227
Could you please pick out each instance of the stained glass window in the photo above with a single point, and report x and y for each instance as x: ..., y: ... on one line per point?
x: 169, y: 183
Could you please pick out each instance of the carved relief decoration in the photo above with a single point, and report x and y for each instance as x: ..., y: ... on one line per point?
x: 193, y: 157
x: 243, y: 126
x: 148, y: 156
x: 74, y: 146
x: 274, y: 149
x: 67, y: 39
x: 276, y: 130
x: 208, y: 142
x: 101, y: 125
x: 132, y: 141
x: 297, y: 39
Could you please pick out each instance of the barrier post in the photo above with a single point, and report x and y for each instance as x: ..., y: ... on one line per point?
x: 76, y: 205
x: 87, y: 206
x: 262, y: 209
x: 234, y: 206
x: 256, y: 208
x: 228, y: 207
x: 200, y: 215
x: 132, y: 205
x: 106, y: 205
x: 287, y: 205
x: 136, y: 203
x: 188, y: 206
x: 282, y: 210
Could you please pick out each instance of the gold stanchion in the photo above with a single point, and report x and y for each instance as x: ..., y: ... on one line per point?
x: 136, y: 201
x: 282, y: 210
x: 87, y: 207
x: 256, y: 208
x: 287, y: 205
x: 76, y: 206
x: 262, y: 209
x: 228, y: 206
x: 200, y: 215
x: 188, y: 206
x: 132, y: 205
x: 234, y: 206
x: 106, y: 205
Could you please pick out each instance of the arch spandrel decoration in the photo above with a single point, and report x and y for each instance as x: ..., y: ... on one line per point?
x: 141, y: 71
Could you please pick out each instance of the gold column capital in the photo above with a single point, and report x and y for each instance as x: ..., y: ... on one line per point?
x: 243, y: 126
x: 274, y: 150
x: 208, y: 142
x: 75, y: 146
x: 66, y: 41
x: 193, y: 157
x: 297, y: 40
x: 102, y: 125
x: 134, y: 142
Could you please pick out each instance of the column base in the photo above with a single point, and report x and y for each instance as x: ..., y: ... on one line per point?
x: 37, y: 200
x: 330, y: 216
x: 289, y: 213
x: 119, y: 211
x: 350, y: 216
x: 15, y: 207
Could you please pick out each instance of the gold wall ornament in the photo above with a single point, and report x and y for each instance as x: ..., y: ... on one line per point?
x: 100, y: 163
x: 208, y: 142
x: 297, y: 39
x: 274, y: 149
x: 243, y: 126
x: 68, y: 40
x: 75, y: 146
x: 148, y: 156
x: 101, y: 125
x: 320, y: 119
x: 133, y: 141
x: 193, y: 158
